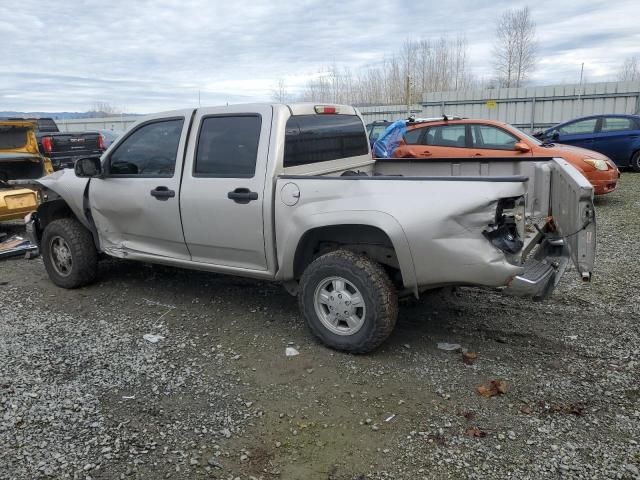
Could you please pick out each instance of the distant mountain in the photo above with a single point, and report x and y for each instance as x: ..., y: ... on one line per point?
x: 61, y: 115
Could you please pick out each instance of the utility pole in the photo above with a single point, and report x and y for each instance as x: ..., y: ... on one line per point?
x: 580, y: 88
x: 407, y: 92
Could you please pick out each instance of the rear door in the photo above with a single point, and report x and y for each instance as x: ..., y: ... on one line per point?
x: 616, y: 138
x: 223, y: 186
x: 580, y: 133
x: 437, y: 141
x: 574, y: 214
x: 135, y: 205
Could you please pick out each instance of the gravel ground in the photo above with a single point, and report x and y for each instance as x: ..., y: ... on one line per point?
x: 84, y: 395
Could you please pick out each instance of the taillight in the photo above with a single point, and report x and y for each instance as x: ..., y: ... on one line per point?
x: 47, y: 144
x: 100, y: 142
x: 325, y: 109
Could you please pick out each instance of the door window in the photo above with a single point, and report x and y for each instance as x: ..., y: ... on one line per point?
x: 150, y: 151
x: 494, y: 138
x: 579, y: 128
x: 446, y: 136
x: 228, y: 146
x: 412, y: 137
x: 616, y: 124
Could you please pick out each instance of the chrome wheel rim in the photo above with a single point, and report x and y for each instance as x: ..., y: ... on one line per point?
x: 339, y: 306
x: 61, y: 256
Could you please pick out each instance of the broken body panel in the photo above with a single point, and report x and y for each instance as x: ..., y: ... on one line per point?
x: 19, y: 160
x: 438, y: 217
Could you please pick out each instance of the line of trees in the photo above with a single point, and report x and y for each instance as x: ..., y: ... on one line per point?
x: 630, y: 70
x: 426, y: 65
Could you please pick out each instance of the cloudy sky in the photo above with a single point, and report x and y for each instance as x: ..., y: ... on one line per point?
x: 145, y: 56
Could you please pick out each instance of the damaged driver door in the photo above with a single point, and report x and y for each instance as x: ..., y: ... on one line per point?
x: 135, y: 204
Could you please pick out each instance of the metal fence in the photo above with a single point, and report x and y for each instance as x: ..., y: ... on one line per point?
x: 530, y: 108
x: 116, y: 124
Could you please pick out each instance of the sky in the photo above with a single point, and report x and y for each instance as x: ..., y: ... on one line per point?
x: 147, y: 56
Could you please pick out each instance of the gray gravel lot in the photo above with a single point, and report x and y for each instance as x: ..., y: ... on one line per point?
x: 83, y: 395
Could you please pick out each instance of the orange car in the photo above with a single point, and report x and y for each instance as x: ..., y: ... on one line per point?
x: 488, y: 138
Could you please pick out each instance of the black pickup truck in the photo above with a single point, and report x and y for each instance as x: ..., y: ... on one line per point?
x: 64, y: 148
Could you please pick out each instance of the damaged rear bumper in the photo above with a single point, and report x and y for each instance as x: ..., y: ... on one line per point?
x: 542, y: 271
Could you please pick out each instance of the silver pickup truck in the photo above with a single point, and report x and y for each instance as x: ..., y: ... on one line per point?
x: 291, y: 193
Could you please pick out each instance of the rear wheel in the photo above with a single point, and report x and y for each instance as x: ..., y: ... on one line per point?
x: 348, y: 301
x: 635, y: 161
x: 69, y: 254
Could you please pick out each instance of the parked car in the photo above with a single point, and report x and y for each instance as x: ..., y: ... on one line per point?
x: 488, y: 138
x: 616, y: 136
x: 109, y: 136
x: 375, y: 129
x: 64, y: 148
x: 291, y: 193
x: 19, y: 160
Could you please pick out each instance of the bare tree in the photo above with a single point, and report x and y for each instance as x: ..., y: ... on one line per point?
x: 104, y: 109
x: 279, y: 93
x: 515, y: 47
x: 430, y: 66
x: 630, y: 71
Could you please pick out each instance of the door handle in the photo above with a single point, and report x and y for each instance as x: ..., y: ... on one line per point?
x: 163, y: 193
x: 477, y: 154
x: 242, y: 195
x: 426, y: 153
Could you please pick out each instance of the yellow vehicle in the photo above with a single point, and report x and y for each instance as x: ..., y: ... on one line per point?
x: 20, y: 159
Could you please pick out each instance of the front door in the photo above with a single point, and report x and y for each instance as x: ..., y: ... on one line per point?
x: 223, y: 187
x: 492, y: 141
x: 579, y: 133
x: 135, y: 205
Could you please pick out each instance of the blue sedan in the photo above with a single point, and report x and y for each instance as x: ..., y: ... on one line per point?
x: 616, y: 136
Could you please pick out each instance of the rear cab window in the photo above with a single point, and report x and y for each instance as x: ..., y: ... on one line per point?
x: 322, y: 138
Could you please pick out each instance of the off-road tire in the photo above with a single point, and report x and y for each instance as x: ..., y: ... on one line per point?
x: 84, y: 255
x: 379, y: 295
x: 635, y: 161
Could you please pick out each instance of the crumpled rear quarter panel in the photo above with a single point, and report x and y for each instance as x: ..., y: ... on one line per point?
x: 441, y: 222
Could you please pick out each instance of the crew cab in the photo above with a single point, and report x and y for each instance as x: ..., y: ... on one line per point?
x: 291, y: 193
x: 64, y: 148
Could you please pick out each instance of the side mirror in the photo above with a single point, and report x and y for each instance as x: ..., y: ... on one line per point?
x: 522, y: 147
x: 88, y: 167
x: 539, y: 135
x: 555, y: 135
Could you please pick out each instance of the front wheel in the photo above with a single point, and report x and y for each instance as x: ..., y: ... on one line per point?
x: 635, y: 161
x: 348, y: 301
x: 69, y: 254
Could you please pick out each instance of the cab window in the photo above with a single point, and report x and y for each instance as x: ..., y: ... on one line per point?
x: 228, y: 146
x: 150, y: 151
x: 321, y: 138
